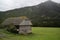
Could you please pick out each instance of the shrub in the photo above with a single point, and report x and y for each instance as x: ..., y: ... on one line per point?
x: 11, y: 28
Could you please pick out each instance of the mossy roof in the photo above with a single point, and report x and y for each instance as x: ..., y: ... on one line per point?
x: 17, y: 21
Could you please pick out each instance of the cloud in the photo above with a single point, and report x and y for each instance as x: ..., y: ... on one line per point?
x: 58, y: 1
x: 12, y: 4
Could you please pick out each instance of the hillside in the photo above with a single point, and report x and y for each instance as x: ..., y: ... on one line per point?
x: 44, y: 14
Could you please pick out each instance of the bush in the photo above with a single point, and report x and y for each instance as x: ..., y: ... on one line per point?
x: 11, y: 28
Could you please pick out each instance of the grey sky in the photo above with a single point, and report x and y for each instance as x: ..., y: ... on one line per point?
x: 12, y: 4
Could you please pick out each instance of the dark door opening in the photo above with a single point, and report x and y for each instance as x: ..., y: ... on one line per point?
x: 17, y: 26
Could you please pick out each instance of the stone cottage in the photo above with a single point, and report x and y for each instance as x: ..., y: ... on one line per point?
x: 23, y: 24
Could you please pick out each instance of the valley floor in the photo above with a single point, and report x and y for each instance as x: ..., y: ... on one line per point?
x: 38, y: 33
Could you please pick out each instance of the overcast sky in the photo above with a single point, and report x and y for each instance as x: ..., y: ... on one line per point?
x: 12, y: 4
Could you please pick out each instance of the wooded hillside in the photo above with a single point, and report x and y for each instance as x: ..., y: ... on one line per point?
x: 44, y: 14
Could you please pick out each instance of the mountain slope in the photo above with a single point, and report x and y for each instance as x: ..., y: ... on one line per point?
x: 44, y: 14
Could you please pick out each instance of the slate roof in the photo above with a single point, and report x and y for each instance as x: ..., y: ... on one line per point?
x: 17, y: 21
x: 26, y: 22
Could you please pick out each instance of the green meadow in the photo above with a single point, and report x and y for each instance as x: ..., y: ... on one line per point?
x: 38, y: 33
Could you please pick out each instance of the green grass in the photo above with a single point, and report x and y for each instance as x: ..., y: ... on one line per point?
x: 39, y: 33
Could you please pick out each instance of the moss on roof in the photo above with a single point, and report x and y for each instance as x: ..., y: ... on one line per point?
x: 23, y: 17
x: 17, y: 21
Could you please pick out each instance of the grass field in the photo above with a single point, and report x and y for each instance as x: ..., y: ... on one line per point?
x: 39, y: 33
